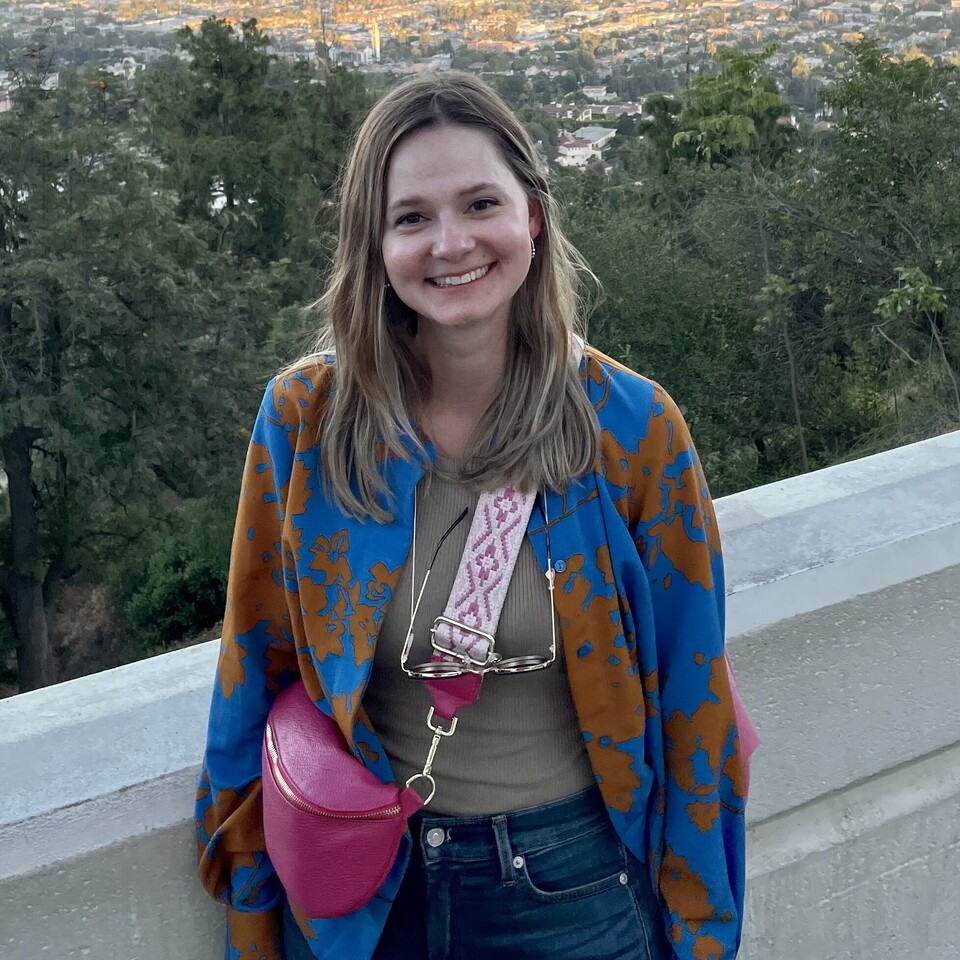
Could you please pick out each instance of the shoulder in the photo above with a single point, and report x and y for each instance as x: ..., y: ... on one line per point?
x: 286, y: 431
x: 649, y: 468
x: 295, y: 399
x: 629, y: 406
x: 645, y: 445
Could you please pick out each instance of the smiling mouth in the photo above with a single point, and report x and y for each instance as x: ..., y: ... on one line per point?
x: 461, y: 279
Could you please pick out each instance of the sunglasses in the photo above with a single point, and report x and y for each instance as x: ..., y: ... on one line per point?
x: 479, y: 654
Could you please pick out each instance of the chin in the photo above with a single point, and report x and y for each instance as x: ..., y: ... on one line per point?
x: 462, y: 320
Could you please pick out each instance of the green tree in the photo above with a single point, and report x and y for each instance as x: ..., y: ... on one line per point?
x: 675, y: 293
x: 115, y: 389
x: 888, y: 195
x: 253, y: 146
x: 211, y: 121
x: 157, y: 241
x: 542, y: 127
x: 921, y: 303
x: 658, y: 128
x: 736, y: 113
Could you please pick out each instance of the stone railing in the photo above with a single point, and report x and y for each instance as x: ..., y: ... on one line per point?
x: 843, y: 624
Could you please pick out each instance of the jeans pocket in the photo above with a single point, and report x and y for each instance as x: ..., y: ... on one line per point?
x: 573, y: 869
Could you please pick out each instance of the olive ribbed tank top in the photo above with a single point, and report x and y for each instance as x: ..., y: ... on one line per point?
x: 520, y: 745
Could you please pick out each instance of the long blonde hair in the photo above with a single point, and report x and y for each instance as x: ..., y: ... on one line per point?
x: 540, y: 428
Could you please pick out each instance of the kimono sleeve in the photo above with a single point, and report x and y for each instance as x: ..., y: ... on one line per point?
x: 257, y: 658
x: 699, y: 866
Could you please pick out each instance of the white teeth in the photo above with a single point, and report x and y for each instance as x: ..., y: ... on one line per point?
x: 463, y: 278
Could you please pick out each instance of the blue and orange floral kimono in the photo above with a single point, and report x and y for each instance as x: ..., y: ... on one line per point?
x: 640, y: 601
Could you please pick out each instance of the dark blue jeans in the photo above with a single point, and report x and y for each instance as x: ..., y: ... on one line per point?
x: 549, y: 883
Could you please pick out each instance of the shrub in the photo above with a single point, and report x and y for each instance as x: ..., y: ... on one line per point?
x: 183, y: 589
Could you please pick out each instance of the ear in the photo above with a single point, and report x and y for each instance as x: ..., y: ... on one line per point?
x: 536, y: 217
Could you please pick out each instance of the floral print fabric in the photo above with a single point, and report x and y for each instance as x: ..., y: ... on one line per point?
x: 639, y: 596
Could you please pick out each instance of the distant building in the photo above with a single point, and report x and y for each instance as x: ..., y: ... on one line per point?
x: 351, y: 58
x: 568, y: 111
x: 440, y: 61
x: 598, y: 93
x: 575, y: 152
x: 492, y: 46
x: 632, y: 109
x: 597, y: 137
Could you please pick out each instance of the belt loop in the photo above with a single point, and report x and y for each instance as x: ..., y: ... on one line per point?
x: 508, y: 876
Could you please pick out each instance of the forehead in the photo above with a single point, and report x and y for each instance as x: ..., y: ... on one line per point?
x: 436, y: 158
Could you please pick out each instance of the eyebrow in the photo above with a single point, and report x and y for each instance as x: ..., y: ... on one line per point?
x: 415, y: 201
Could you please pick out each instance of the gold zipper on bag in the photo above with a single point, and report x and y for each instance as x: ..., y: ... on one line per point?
x: 308, y: 807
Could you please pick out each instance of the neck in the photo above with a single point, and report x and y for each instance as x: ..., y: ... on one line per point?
x: 466, y: 366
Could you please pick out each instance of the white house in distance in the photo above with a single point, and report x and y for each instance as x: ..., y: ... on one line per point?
x: 599, y: 94
x: 575, y: 152
x: 568, y: 111
x: 632, y: 109
x: 598, y: 137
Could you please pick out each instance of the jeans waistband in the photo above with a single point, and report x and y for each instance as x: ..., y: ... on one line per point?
x: 529, y: 829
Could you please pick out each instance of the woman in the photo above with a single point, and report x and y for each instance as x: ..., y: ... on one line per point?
x: 590, y: 809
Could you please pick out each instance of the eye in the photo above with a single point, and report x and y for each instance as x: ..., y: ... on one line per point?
x: 409, y: 219
x: 480, y: 205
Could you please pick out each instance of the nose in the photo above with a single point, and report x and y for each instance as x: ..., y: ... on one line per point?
x: 453, y: 239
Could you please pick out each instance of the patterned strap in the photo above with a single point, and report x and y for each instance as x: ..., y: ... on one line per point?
x: 480, y: 588
x: 479, y: 591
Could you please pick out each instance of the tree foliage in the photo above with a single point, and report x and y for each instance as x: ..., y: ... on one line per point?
x: 152, y: 241
x: 736, y: 111
x: 109, y: 308
x: 798, y: 294
x: 253, y: 145
x: 159, y: 237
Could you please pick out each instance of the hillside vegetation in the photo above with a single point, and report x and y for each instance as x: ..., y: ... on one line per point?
x: 796, y: 289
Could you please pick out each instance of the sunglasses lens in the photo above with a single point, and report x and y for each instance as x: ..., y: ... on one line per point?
x: 436, y: 669
x: 522, y: 664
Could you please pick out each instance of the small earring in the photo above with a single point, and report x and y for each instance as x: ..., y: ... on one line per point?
x: 386, y: 285
x: 533, y: 249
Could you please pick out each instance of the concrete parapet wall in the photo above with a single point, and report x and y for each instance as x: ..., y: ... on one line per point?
x: 843, y: 624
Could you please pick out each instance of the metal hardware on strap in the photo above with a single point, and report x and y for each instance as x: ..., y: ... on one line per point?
x: 463, y: 637
x: 462, y: 654
x: 438, y: 733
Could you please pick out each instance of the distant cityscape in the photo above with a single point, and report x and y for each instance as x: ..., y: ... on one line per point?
x: 581, y: 62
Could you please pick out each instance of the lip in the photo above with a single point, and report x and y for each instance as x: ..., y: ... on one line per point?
x: 460, y: 273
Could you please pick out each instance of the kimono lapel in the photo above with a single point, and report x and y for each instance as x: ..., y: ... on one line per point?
x: 598, y: 634
x: 347, y: 572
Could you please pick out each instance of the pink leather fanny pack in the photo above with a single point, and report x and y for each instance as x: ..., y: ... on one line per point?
x: 332, y: 828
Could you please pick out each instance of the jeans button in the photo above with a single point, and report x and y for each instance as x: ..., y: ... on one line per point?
x: 435, y: 837
x: 518, y: 862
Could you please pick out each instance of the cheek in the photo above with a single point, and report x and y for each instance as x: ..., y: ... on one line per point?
x: 398, y: 258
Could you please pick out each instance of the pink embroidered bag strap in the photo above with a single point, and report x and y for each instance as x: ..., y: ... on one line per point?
x: 465, y: 632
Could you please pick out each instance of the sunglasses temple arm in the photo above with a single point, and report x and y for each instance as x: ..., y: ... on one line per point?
x: 408, y: 641
x: 453, y: 526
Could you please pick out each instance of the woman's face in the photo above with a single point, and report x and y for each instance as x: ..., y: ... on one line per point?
x: 457, y: 231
